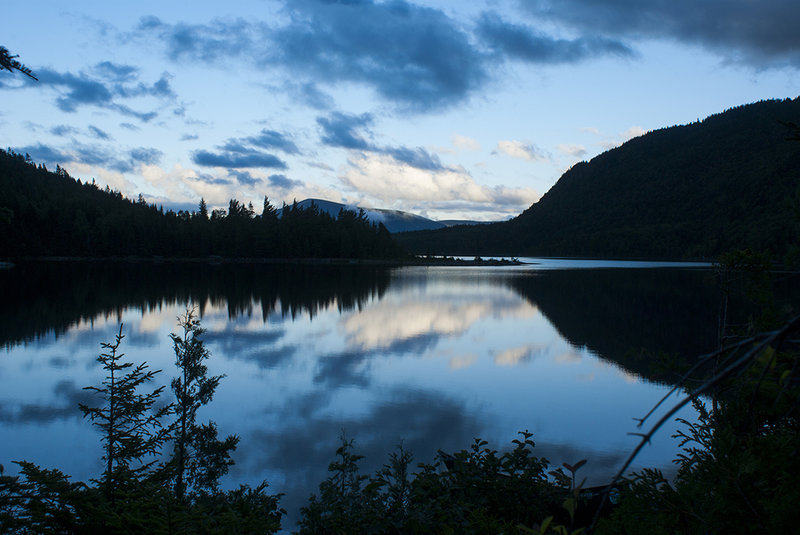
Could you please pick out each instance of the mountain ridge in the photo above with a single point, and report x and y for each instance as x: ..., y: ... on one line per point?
x: 685, y: 191
x: 394, y: 220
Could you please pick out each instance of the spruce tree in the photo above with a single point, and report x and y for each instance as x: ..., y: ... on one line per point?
x: 200, y: 458
x: 131, y: 428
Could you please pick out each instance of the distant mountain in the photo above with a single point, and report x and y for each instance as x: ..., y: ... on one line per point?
x: 690, y: 191
x: 393, y: 220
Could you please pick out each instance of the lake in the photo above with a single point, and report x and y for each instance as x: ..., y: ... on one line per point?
x: 430, y: 357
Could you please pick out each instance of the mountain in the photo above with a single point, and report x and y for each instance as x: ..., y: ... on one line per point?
x: 690, y: 191
x: 393, y: 220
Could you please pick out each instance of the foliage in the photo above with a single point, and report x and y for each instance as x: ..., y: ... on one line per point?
x: 475, y: 491
x: 134, y: 496
x: 200, y: 459
x: 10, y: 63
x: 47, y: 214
x: 688, y: 191
x: 738, y: 470
x: 131, y: 430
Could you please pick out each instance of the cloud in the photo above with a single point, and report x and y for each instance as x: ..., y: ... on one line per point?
x: 44, y: 153
x: 411, y: 55
x: 760, y: 34
x: 116, y: 72
x: 622, y: 137
x: 281, y: 181
x: 245, y: 178
x: 146, y: 155
x: 214, y: 42
x: 382, y: 177
x: 516, y: 355
x: 110, y: 83
x: 340, y: 130
x: 67, y: 395
x: 93, y: 155
x: 632, y: 132
x: 309, y: 94
x: 419, y: 158
x: 524, y: 43
x: 573, y: 150
x: 463, y: 142
x: 521, y: 149
x: 99, y: 134
x: 63, y: 130
x: 270, y: 139
x: 238, y: 159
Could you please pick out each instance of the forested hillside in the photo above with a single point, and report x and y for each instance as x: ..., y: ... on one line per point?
x: 691, y: 191
x: 44, y: 213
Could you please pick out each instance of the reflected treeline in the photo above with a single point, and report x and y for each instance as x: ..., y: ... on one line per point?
x: 628, y: 316
x: 634, y: 317
x: 39, y: 298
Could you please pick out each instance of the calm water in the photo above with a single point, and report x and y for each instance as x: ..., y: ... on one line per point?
x: 430, y: 357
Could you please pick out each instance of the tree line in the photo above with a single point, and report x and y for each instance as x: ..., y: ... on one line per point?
x: 45, y: 213
x: 690, y: 191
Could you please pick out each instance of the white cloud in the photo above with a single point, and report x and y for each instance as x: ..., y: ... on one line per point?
x: 513, y: 356
x: 521, y: 149
x: 463, y: 361
x: 383, y: 324
x: 632, y: 132
x: 573, y: 150
x: 392, y: 184
x: 466, y: 143
x: 115, y: 180
x: 622, y: 137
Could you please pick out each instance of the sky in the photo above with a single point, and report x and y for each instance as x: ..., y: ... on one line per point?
x: 446, y: 109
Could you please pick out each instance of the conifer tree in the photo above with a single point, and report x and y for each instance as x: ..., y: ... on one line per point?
x: 131, y: 428
x: 203, y: 209
x: 200, y: 458
x: 9, y: 63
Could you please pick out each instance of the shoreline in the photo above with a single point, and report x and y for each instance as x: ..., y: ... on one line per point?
x: 218, y: 260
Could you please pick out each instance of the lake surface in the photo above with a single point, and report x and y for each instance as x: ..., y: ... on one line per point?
x: 428, y: 356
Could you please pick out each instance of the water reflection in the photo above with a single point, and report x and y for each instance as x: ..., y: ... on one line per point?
x: 429, y: 357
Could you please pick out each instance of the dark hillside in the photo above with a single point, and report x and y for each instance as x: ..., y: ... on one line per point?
x: 689, y: 191
x: 51, y: 214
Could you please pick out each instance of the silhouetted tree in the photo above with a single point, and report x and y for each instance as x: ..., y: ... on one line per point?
x: 203, y: 209
x: 200, y: 458
x: 9, y: 63
x: 131, y: 429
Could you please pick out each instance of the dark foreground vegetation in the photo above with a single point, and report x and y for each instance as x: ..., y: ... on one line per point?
x: 163, y: 467
x: 690, y: 191
x: 50, y: 214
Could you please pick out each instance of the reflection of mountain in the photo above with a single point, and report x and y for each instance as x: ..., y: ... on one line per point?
x: 629, y: 316
x: 41, y: 297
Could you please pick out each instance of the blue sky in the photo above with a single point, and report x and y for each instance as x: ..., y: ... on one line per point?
x: 442, y: 108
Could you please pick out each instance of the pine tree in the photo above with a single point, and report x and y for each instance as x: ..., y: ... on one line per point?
x: 131, y: 428
x: 269, y: 213
x: 203, y: 209
x: 9, y: 63
x: 200, y: 458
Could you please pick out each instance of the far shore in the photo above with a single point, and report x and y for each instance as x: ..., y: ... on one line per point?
x: 212, y: 260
